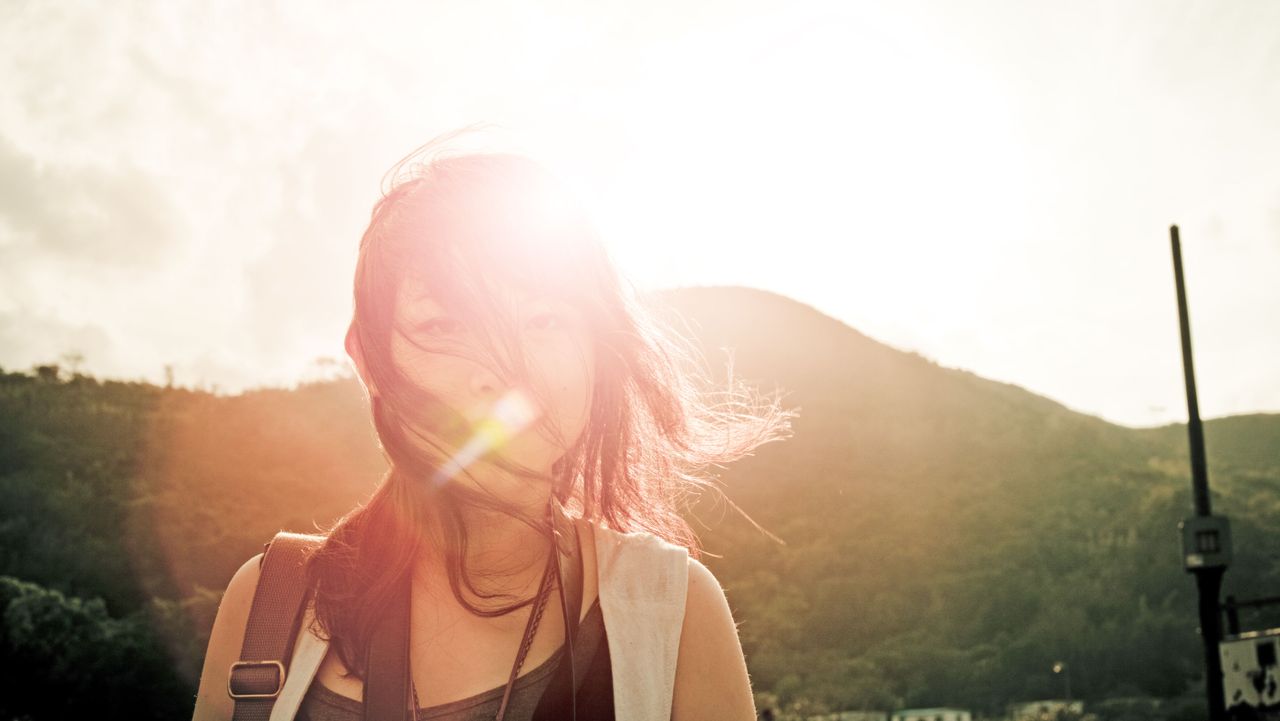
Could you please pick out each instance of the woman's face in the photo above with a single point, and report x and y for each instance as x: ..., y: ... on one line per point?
x: 439, y: 353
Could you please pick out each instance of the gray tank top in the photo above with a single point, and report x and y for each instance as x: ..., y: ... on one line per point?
x: 324, y: 704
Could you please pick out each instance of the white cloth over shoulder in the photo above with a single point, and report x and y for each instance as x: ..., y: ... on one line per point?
x: 643, y: 581
x: 308, y: 651
x: 643, y: 584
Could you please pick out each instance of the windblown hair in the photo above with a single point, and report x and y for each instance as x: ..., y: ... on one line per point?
x: 466, y: 225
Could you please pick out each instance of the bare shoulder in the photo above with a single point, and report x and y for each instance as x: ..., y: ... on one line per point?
x: 212, y: 701
x: 711, y: 671
x: 704, y: 588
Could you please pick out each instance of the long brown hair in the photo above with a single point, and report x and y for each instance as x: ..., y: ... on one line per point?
x: 465, y: 224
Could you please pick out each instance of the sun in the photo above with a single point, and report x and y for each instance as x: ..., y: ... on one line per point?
x: 846, y: 148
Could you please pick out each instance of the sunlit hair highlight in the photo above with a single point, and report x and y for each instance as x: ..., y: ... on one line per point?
x: 468, y: 226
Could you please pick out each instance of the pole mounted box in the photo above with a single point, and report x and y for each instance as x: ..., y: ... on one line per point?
x: 1206, y: 542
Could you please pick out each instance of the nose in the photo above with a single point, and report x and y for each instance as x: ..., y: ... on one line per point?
x: 485, y: 385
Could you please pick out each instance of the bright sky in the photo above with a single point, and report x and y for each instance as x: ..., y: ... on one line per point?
x: 989, y: 183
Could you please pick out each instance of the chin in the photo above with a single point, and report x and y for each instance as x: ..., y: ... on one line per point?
x: 533, y: 452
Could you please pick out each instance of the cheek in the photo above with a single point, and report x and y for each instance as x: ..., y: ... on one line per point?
x: 569, y: 382
x: 442, y: 376
x: 577, y: 395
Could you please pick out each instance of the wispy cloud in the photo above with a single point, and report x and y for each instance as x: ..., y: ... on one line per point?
x: 185, y: 183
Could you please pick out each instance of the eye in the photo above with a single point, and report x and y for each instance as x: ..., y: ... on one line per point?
x: 545, y: 321
x: 440, y: 326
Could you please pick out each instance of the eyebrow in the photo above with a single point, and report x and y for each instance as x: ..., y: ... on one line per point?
x: 423, y: 305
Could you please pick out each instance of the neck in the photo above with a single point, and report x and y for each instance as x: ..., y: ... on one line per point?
x: 504, y: 555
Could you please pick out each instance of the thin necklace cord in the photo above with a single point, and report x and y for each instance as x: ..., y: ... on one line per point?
x: 531, y: 628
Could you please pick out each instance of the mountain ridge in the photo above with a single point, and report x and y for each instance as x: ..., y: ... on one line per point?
x: 947, y: 537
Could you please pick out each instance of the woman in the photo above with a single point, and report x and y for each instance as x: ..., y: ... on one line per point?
x: 542, y: 431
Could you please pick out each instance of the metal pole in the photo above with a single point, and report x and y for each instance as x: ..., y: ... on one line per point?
x: 1195, y: 432
x: 1233, y: 616
x: 1208, y: 580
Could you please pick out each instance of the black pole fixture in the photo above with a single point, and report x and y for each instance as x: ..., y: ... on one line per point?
x: 1206, y: 538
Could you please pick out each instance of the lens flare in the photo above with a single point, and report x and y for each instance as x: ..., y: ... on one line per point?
x: 513, y: 412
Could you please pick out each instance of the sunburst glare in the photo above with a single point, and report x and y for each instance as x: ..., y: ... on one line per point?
x: 513, y: 412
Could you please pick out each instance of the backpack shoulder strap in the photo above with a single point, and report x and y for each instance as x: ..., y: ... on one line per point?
x: 271, y: 630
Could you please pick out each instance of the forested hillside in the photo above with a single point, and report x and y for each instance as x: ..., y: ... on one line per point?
x: 949, y: 537
x: 946, y: 538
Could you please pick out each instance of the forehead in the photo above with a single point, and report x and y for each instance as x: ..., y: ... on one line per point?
x: 414, y: 299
